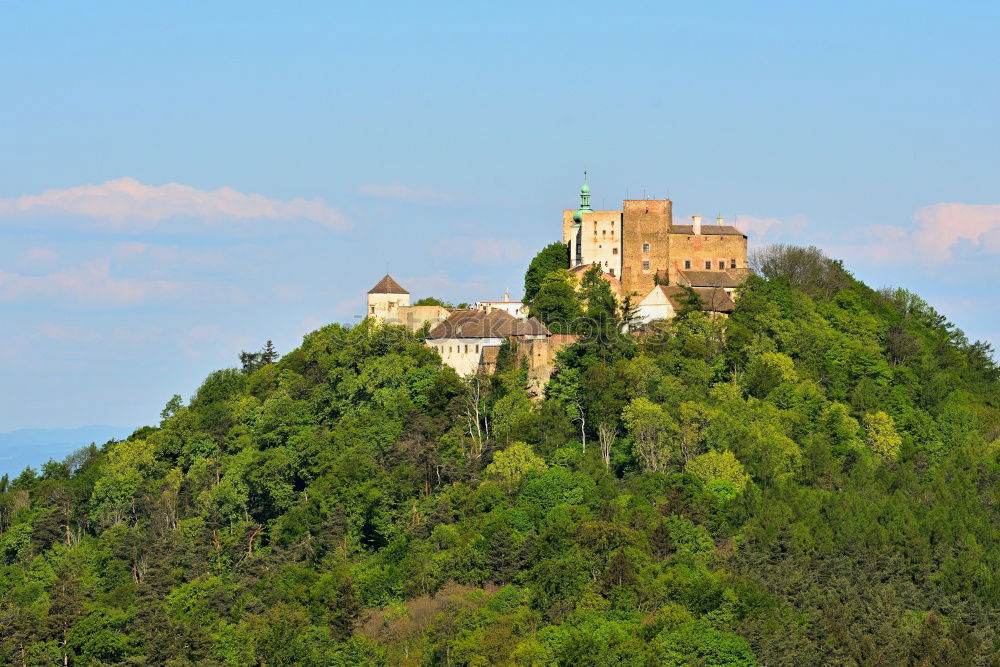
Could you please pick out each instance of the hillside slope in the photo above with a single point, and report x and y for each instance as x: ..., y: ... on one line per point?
x: 814, y: 481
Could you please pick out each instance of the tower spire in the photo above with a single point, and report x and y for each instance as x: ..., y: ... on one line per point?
x: 585, y: 194
x: 584, y: 202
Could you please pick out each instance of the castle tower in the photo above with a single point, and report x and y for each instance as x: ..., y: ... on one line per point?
x: 386, y: 298
x: 593, y: 237
x: 646, y: 225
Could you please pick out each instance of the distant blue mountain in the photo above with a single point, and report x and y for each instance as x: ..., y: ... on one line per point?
x: 34, y: 446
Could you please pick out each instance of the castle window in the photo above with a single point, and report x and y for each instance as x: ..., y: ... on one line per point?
x: 614, y: 251
x: 732, y: 263
x: 477, y: 349
x: 645, y: 266
x: 373, y: 309
x: 466, y: 349
x: 708, y: 265
x: 612, y: 272
x: 645, y: 247
x: 722, y: 264
x: 687, y: 263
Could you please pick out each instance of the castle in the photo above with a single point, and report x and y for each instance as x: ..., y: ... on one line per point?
x: 641, y: 253
x: 641, y: 248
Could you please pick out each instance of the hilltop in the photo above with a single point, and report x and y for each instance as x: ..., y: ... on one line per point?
x: 813, y: 479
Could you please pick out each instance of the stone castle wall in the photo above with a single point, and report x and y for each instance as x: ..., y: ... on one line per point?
x: 703, y: 248
x: 644, y: 221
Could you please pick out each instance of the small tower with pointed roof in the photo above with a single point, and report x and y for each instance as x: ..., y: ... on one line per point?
x: 386, y: 298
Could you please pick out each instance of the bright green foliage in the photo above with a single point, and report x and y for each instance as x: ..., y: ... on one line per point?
x: 718, y: 470
x: 430, y: 301
x: 651, y: 429
x: 552, y: 257
x: 881, y: 436
x: 510, y: 466
x: 356, y: 503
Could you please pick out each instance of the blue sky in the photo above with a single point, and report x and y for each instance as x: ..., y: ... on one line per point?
x: 441, y: 142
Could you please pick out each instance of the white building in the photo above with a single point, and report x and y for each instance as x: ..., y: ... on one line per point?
x: 389, y: 302
x: 513, y: 308
x: 466, y: 336
x: 386, y: 298
x: 663, y: 302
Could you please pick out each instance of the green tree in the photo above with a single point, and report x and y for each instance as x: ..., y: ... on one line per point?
x: 722, y: 473
x: 650, y: 428
x: 431, y: 301
x: 767, y: 371
x: 511, y: 465
x: 881, y: 436
x: 556, y: 303
x: 552, y: 257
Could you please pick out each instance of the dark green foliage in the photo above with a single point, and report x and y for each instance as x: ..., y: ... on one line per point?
x: 251, y: 361
x: 355, y: 502
x: 557, y: 304
x: 434, y: 301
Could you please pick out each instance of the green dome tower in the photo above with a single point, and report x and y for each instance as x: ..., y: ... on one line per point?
x: 584, y: 201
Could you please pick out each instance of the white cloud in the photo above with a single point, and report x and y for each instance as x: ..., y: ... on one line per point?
x: 943, y: 226
x: 125, y: 203
x: 401, y: 192
x: 932, y: 237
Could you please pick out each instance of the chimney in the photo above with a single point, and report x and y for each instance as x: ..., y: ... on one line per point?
x: 720, y: 220
x: 696, y: 224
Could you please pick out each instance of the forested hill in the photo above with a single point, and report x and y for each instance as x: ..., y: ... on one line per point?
x: 812, y: 481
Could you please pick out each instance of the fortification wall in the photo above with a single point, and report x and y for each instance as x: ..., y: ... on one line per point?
x: 541, y: 356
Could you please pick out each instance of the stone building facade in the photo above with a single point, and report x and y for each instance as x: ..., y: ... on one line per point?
x: 641, y: 246
x: 389, y: 302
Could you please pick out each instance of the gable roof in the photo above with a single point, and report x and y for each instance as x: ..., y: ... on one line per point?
x: 387, y: 286
x: 478, y: 324
x: 713, y: 299
x: 707, y: 230
x: 709, y: 278
x: 657, y: 296
x: 580, y: 269
x: 716, y: 299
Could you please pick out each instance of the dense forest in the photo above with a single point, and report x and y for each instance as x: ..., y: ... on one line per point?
x: 813, y: 480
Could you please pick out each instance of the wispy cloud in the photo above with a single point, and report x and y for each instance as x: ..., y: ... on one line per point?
x: 205, y: 340
x: 125, y: 203
x: 90, y: 282
x: 67, y: 334
x: 768, y: 230
x: 480, y: 250
x: 399, y: 192
x: 35, y: 258
x: 933, y: 236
